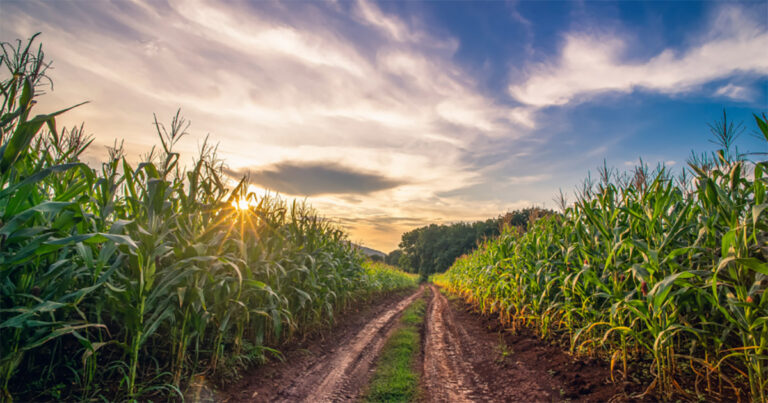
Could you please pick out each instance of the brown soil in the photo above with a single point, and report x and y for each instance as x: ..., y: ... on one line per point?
x: 448, y: 372
x: 470, y: 358
x: 466, y: 357
x: 336, y: 368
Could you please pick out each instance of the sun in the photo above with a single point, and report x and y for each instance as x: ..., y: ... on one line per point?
x: 241, y: 204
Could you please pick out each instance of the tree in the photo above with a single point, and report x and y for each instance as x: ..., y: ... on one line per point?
x: 393, y: 258
x: 434, y: 248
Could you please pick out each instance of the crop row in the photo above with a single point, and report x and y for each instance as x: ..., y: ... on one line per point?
x: 646, y: 267
x: 125, y: 281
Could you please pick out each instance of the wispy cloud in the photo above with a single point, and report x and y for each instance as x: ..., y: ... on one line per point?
x: 522, y: 180
x: 733, y: 91
x: 591, y: 63
x: 372, y: 113
x: 281, y: 88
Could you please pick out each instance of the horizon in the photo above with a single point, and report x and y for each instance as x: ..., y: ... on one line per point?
x: 391, y: 116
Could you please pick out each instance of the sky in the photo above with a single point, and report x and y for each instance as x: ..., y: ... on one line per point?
x: 390, y: 116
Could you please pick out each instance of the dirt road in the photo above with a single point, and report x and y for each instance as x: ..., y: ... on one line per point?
x: 466, y: 358
x: 448, y: 374
x: 469, y: 358
x: 343, y: 375
x: 330, y: 370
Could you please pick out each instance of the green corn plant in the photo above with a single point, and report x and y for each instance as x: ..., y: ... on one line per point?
x: 148, y: 274
x: 645, y: 268
x: 43, y: 241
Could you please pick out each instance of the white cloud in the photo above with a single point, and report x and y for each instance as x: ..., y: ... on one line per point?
x: 390, y: 25
x: 398, y: 30
x: 734, y: 92
x: 366, y: 89
x: 525, y: 180
x: 591, y: 64
x: 597, y: 151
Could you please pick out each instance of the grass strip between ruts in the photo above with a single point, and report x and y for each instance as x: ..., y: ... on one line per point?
x: 396, y: 379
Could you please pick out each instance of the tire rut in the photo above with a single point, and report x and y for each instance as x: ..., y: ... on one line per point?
x: 448, y: 376
x: 471, y: 358
x: 342, y: 375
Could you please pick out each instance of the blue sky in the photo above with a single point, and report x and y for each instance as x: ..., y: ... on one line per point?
x: 388, y: 116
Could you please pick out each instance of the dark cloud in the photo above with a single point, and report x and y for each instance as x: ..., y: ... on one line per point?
x: 316, y: 178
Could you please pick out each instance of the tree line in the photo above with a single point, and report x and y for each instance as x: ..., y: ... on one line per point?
x: 434, y: 248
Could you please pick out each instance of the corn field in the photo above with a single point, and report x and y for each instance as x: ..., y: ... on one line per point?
x: 383, y: 277
x: 125, y: 281
x: 649, y: 268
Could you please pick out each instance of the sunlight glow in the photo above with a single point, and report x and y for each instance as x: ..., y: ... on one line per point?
x: 241, y: 204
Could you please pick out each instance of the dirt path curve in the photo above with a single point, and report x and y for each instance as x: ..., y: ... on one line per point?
x: 337, y: 369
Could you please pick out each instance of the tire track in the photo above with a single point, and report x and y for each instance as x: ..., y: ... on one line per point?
x: 448, y: 376
x: 342, y: 375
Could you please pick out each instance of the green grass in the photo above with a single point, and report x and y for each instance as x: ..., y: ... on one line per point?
x: 395, y: 379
